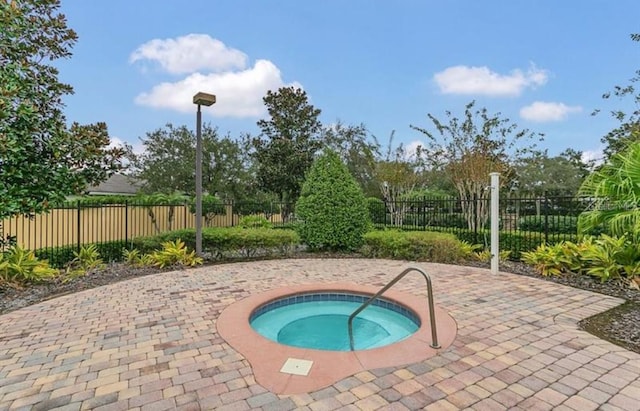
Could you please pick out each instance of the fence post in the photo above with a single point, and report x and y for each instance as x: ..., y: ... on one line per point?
x: 78, y: 228
x: 126, y: 223
x: 474, y: 217
x: 424, y: 213
x: 495, y: 222
x: 546, y: 219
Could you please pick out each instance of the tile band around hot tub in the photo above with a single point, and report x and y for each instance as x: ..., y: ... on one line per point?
x: 331, y: 296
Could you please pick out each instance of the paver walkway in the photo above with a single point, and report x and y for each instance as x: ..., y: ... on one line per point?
x: 151, y: 344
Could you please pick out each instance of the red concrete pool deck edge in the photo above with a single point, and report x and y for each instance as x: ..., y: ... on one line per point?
x: 267, y: 357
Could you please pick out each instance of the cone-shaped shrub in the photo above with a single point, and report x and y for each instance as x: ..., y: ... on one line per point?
x: 332, y: 207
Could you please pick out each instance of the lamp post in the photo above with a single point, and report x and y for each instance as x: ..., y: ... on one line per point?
x: 200, y: 99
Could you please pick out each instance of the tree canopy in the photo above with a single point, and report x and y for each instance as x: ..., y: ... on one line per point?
x: 397, y: 176
x: 470, y: 148
x: 167, y: 164
x: 628, y: 132
x: 560, y: 175
x: 357, y: 151
x: 41, y: 160
x: 288, y: 142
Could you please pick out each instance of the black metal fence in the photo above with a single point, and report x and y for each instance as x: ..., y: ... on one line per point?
x: 525, y: 222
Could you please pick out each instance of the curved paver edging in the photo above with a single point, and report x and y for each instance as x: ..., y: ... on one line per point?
x: 267, y: 357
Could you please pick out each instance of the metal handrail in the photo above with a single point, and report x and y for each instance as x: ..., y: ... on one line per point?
x: 432, y: 315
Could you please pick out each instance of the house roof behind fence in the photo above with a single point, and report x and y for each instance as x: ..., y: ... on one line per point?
x: 116, y: 184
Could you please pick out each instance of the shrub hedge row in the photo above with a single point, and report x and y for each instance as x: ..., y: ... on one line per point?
x: 59, y: 257
x: 216, y: 240
x: 550, y: 224
x: 220, y: 240
x: 515, y: 241
x: 413, y: 245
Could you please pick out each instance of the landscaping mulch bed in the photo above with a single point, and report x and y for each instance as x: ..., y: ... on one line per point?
x: 620, y: 325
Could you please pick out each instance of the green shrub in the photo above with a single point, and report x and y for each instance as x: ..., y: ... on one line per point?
x: 249, y: 242
x: 256, y: 207
x: 20, y: 266
x: 332, y: 207
x: 548, y: 259
x: 485, y: 255
x: 136, y: 258
x: 254, y: 221
x: 93, y: 201
x: 60, y: 257
x: 553, y: 223
x: 110, y: 251
x: 290, y: 225
x: 211, y: 207
x: 469, y: 250
x: 88, y: 258
x: 221, y: 240
x: 414, y: 246
x: 516, y: 242
x: 429, y: 219
x: 173, y: 253
x: 612, y: 257
x: 149, y: 244
x: 452, y: 220
x: 377, y: 210
x: 604, y: 257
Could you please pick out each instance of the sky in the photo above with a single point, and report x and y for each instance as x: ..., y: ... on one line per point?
x: 543, y: 64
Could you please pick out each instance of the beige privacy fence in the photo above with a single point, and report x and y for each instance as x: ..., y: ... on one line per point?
x: 91, y: 224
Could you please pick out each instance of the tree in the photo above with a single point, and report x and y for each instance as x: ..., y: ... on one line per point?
x: 397, y: 177
x: 286, y: 147
x: 168, y: 163
x: 352, y: 145
x: 471, y: 148
x: 561, y: 175
x: 211, y: 207
x: 150, y: 202
x: 41, y: 160
x: 618, y: 139
x: 332, y: 207
x: 615, y: 190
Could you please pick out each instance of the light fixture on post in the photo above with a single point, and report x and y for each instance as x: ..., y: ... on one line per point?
x: 200, y: 99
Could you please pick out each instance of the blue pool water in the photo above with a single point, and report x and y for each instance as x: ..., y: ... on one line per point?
x: 322, y: 324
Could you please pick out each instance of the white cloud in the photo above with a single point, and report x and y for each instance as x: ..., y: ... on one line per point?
x: 190, y: 53
x: 596, y: 156
x: 239, y: 94
x: 114, y: 142
x: 209, y: 66
x: 411, y: 148
x: 543, y: 111
x: 483, y: 81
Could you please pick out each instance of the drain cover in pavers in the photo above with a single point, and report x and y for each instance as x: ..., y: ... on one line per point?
x: 296, y: 367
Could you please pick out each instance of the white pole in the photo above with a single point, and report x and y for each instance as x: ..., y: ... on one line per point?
x: 495, y: 221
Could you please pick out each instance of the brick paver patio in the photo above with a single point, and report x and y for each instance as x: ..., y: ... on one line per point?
x: 151, y: 344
